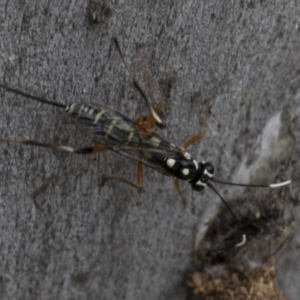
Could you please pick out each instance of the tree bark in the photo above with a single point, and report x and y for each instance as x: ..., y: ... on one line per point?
x: 65, y: 235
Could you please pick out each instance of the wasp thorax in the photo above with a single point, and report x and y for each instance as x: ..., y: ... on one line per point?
x: 204, y: 174
x: 184, y: 169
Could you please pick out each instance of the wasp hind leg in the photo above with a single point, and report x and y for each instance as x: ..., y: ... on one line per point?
x: 140, y: 178
x: 155, y: 112
x: 146, y: 124
x: 85, y: 150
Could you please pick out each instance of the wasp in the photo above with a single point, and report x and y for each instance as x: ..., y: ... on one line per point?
x: 136, y: 139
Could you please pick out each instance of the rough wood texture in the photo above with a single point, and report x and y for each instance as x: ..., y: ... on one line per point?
x: 63, y: 234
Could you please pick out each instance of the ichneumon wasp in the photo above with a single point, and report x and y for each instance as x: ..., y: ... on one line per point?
x: 136, y: 139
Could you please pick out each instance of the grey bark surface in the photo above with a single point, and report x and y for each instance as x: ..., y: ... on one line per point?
x: 66, y: 236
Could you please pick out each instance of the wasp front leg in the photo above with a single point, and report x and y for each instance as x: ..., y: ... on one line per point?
x: 202, y: 134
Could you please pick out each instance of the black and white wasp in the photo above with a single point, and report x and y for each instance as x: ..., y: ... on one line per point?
x: 136, y: 139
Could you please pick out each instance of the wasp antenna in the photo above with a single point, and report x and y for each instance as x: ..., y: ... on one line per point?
x: 138, y: 87
x: 279, y: 184
x: 272, y: 185
x: 243, y: 235
x: 42, y: 100
x: 242, y: 242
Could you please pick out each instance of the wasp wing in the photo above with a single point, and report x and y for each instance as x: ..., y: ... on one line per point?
x: 118, y: 133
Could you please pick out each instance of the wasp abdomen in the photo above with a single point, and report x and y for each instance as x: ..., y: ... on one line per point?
x: 104, y: 124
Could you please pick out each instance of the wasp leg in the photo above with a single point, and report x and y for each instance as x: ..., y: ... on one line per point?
x: 202, y: 134
x: 194, y: 139
x: 86, y: 150
x: 178, y: 189
x: 150, y: 79
x: 140, y: 178
x: 146, y: 124
x: 138, y: 87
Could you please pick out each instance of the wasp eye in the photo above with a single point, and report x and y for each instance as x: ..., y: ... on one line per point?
x: 209, y: 168
x: 205, y: 178
x: 198, y: 186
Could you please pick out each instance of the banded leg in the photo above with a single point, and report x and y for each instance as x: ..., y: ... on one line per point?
x: 146, y: 124
x: 150, y: 79
x: 202, y: 134
x: 140, y: 177
x: 138, y: 87
x: 85, y: 150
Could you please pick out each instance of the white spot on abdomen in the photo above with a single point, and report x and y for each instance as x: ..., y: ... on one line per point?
x: 111, y: 127
x: 155, y: 141
x: 98, y: 116
x: 170, y: 162
x: 185, y: 171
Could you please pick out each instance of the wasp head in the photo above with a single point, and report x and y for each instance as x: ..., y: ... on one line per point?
x: 204, y: 173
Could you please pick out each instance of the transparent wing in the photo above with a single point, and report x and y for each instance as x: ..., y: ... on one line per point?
x: 118, y: 133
